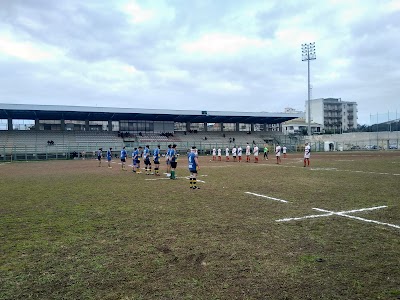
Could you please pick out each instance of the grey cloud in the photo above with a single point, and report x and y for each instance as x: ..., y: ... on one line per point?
x: 91, y: 32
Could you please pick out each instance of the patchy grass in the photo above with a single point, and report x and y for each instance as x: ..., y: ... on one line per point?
x: 71, y: 230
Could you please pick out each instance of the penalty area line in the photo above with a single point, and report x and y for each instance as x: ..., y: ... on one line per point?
x: 268, y: 197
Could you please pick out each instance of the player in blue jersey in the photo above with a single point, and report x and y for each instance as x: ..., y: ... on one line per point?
x: 138, y: 159
x: 156, y: 159
x: 174, y: 163
x: 146, y: 159
x: 193, y: 164
x: 109, y: 157
x: 134, y: 156
x: 123, y: 158
x: 168, y: 160
x: 99, y: 155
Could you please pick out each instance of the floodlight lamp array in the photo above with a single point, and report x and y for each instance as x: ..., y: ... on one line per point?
x: 308, y: 51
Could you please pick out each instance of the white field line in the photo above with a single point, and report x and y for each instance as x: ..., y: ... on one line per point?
x: 329, y: 213
x: 344, y: 214
x: 294, y: 162
x: 350, y: 211
x: 328, y: 169
x: 220, y: 166
x: 370, y: 221
x: 352, y: 171
x: 184, y: 177
x: 305, y: 217
x: 268, y: 197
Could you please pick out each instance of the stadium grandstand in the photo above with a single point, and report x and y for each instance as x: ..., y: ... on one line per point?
x: 57, y: 131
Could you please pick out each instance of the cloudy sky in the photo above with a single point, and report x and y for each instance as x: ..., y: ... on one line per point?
x: 237, y: 55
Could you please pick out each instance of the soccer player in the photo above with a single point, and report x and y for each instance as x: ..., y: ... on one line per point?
x: 278, y: 153
x: 219, y: 154
x: 135, y: 154
x: 234, y: 151
x: 248, y: 152
x: 99, y: 155
x: 266, y: 150
x: 214, y: 154
x: 307, y: 150
x: 174, y: 163
x: 227, y: 154
x: 193, y: 164
x: 123, y: 158
x: 109, y: 157
x: 138, y: 159
x: 284, y: 151
x: 168, y: 160
x: 156, y: 159
x: 255, y: 152
x: 239, y: 152
x: 146, y: 159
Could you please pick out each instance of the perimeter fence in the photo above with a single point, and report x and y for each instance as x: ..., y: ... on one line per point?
x: 351, y: 142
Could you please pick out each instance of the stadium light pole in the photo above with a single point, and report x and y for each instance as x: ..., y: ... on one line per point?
x: 307, y: 54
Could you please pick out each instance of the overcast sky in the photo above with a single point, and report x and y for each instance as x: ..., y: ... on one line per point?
x: 236, y: 55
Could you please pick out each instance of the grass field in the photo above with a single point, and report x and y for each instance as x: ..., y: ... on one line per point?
x: 72, y: 230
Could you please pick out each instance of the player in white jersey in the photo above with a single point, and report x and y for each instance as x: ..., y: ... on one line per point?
x: 214, y: 154
x: 284, y: 151
x: 219, y: 154
x: 234, y: 153
x: 307, y: 150
x: 239, y: 153
x: 227, y: 154
x: 255, y: 152
x: 248, y: 152
x: 278, y: 153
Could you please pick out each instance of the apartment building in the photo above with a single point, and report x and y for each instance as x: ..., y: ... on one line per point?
x: 335, y: 115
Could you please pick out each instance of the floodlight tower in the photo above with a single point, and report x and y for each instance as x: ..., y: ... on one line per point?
x: 307, y: 54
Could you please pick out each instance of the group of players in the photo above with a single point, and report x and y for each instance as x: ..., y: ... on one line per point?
x: 237, y: 153
x: 171, y: 156
x: 145, y: 154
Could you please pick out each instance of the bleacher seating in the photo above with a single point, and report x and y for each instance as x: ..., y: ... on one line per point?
x: 89, y: 141
x: 63, y: 140
x: 156, y: 138
x: 224, y: 139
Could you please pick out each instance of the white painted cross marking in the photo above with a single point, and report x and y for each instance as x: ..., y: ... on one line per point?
x: 263, y: 196
x: 342, y: 214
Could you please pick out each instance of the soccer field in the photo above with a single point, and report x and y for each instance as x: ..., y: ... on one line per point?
x: 72, y: 230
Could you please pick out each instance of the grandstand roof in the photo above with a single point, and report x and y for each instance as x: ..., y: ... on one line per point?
x: 58, y: 112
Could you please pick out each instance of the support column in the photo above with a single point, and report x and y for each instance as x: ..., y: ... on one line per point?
x: 237, y: 127
x: 251, y: 127
x: 62, y: 125
x: 265, y: 127
x: 10, y: 124
x: 110, y: 125
x: 86, y: 125
x: 205, y: 126
x: 222, y: 126
x: 37, y: 124
x: 187, y: 126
